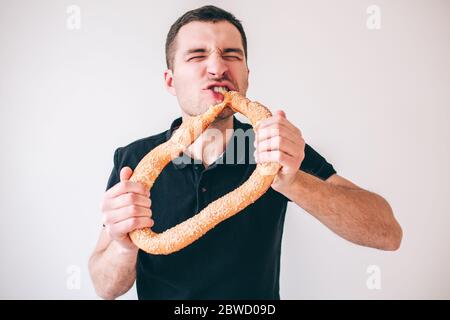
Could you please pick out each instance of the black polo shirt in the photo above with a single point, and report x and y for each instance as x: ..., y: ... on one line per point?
x: 240, y: 257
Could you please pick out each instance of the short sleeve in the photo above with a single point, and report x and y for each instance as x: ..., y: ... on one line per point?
x: 316, y: 165
x: 114, y: 178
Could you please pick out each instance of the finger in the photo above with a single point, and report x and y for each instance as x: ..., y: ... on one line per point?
x: 124, y: 200
x: 280, y: 157
x: 267, y: 133
x: 278, y: 119
x: 278, y: 143
x: 127, y: 186
x: 125, y: 173
x: 120, y: 229
x: 272, y: 156
x: 118, y: 215
x: 281, y: 113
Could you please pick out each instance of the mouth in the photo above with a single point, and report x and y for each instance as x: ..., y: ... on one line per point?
x: 217, y: 91
x: 220, y: 89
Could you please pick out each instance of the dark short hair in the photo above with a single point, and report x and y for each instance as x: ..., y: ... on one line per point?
x: 205, y: 14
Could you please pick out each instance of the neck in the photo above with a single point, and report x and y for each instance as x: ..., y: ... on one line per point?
x: 212, y: 142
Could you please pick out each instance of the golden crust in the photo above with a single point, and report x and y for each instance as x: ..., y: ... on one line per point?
x: 148, y: 169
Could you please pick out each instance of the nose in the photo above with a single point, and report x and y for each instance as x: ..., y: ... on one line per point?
x: 217, y: 67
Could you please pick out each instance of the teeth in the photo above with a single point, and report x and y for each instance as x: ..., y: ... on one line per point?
x: 220, y: 89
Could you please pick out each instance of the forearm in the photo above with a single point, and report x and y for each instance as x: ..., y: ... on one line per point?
x: 113, y: 270
x: 355, y: 214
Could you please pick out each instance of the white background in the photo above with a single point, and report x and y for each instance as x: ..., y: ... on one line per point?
x: 375, y: 103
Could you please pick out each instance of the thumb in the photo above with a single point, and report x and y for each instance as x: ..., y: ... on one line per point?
x: 281, y: 113
x: 125, y: 173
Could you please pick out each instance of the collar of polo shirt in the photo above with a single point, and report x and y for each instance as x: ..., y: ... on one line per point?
x: 182, y: 161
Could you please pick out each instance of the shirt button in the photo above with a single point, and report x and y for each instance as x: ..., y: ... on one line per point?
x: 203, y: 189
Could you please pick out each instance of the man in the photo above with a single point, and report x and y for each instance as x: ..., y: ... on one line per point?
x: 239, y: 258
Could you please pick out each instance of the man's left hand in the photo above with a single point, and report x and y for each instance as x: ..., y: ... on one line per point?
x: 278, y: 140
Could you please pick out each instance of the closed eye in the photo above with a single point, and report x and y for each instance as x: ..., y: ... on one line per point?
x: 196, y: 57
x: 232, y: 57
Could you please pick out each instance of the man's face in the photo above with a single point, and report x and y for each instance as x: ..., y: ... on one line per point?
x: 206, y: 54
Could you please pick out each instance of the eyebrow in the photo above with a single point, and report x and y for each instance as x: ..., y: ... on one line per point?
x: 202, y: 50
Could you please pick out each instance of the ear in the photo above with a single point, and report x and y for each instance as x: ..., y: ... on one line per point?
x: 248, y: 77
x: 169, y: 81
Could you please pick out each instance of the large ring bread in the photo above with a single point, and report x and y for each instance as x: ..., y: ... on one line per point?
x: 153, y: 163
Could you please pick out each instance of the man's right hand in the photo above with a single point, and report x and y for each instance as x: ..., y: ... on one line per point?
x: 126, y: 207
